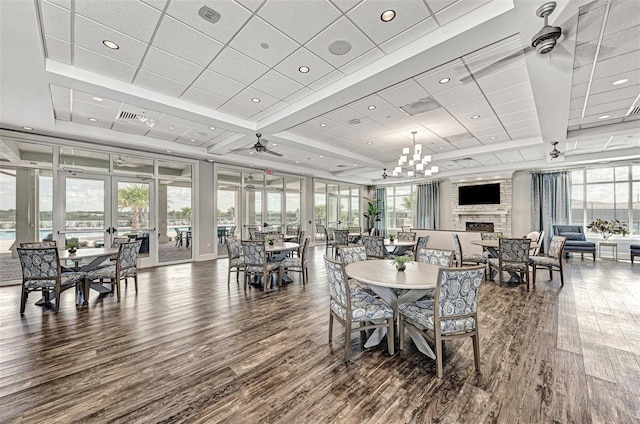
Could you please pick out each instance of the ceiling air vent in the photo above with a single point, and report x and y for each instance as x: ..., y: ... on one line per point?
x: 209, y: 15
x: 421, y: 106
x: 633, y: 111
x: 134, y: 117
x: 355, y: 121
x: 341, y: 166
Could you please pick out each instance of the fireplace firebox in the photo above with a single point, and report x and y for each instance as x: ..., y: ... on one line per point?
x: 486, y: 227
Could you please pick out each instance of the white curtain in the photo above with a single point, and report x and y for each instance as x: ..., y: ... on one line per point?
x: 551, y: 201
x: 428, y: 206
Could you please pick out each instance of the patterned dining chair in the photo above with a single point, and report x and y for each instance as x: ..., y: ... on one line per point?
x: 551, y: 261
x: 126, y: 267
x: 299, y: 264
x: 406, y: 235
x: 235, y: 257
x: 39, y: 244
x: 256, y: 264
x: 41, y: 271
x: 436, y: 257
x: 537, y: 238
x: 374, y: 247
x: 464, y: 260
x: 490, y: 236
x: 513, y: 257
x: 330, y: 241
x: 355, y: 233
x: 456, y: 316
x: 423, y: 241
x: 351, y: 306
x: 351, y: 254
x: 341, y: 240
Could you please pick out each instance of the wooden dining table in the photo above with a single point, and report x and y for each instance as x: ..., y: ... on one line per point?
x: 399, y: 246
x: 384, y: 279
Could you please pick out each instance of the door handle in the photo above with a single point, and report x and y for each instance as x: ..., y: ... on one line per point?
x: 108, y: 230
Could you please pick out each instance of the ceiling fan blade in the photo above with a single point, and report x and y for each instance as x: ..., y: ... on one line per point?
x: 495, y: 65
x: 241, y: 149
x: 272, y: 152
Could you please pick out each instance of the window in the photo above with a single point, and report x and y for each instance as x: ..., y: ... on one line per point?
x: 609, y: 193
x: 400, y: 206
x: 336, y: 205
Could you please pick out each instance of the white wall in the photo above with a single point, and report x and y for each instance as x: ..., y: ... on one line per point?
x: 445, y: 205
x: 204, y: 205
x: 521, y: 205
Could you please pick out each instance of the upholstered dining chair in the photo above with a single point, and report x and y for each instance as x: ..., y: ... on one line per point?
x: 374, y: 247
x: 513, y: 257
x: 423, y: 241
x: 341, y: 240
x: 351, y: 306
x: 464, y: 260
x: 299, y: 264
x: 39, y: 244
x: 126, y: 267
x: 490, y: 236
x: 351, y: 254
x: 235, y: 257
x: 330, y: 241
x: 179, y: 238
x: 41, y: 271
x: 550, y: 261
x: 456, y: 316
x: 256, y: 263
x: 537, y: 238
x: 436, y: 257
x: 406, y: 235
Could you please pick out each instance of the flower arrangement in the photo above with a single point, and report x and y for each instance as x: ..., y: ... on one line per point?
x: 608, y: 227
x: 72, y: 245
x: 401, y: 261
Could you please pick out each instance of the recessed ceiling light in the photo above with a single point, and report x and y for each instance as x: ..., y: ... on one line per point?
x: 169, y: 151
x: 212, y: 128
x: 309, y: 159
x: 274, y: 144
x: 255, y: 100
x: 110, y: 44
x: 98, y: 99
x: 444, y: 80
x: 440, y: 147
x: 369, y: 143
x: 93, y: 120
x: 493, y: 137
x: 27, y: 128
x: 201, y: 134
x: 371, y: 107
x: 388, y: 15
x: 323, y: 125
x: 355, y: 164
x: 304, y: 69
x: 475, y: 116
x: 321, y: 156
x: 297, y: 161
x: 603, y: 117
x: 250, y: 153
x: 192, y: 140
x: 171, y: 128
x: 621, y: 81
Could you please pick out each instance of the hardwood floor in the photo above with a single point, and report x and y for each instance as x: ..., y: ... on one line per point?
x: 188, y: 349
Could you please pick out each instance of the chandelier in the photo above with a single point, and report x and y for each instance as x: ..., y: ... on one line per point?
x: 414, y: 163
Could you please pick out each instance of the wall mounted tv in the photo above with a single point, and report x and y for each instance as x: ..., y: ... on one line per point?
x: 483, y: 194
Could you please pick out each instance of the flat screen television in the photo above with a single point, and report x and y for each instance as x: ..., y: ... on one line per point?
x: 483, y: 194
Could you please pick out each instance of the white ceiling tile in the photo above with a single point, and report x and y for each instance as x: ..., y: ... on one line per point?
x: 518, y: 125
x: 89, y: 98
x: 621, y: 42
x: 487, y: 121
x: 389, y: 115
x: 83, y: 118
x: 367, y: 17
x: 579, y: 90
x: 176, y: 122
x: 245, y: 98
x: 614, y: 95
x: 438, y: 5
x: 574, y: 121
x: 421, y: 29
x: 346, y: 5
x: 488, y: 131
x: 581, y: 75
x: 131, y: 128
x: 577, y: 103
x: 56, y: 21
x: 90, y: 35
x: 158, y: 4
x: 589, y: 25
x: 276, y: 85
x: 466, y: 144
x: 300, y: 20
x: 505, y: 78
x: 183, y: 41
x: 615, y: 65
x: 93, y: 110
x: 509, y: 157
x: 159, y: 83
x: 457, y: 10
x: 257, y: 34
x: 203, y: 98
x: 622, y: 15
x: 520, y: 104
x: 532, y: 154
x: 344, y: 115
x: 498, y: 136
x: 473, y: 106
x: 299, y: 95
x: 189, y: 141
x: 170, y: 66
x: 406, y: 125
x: 458, y: 94
x: 525, y: 133
x: 585, y: 54
x: 86, y: 59
x: 510, y: 94
x: 604, y: 108
x: 269, y: 111
x: 163, y: 135
x: 606, y: 84
x: 362, y: 106
x: 62, y: 3
x: 518, y: 116
x: 362, y: 61
x: 575, y: 113
x: 232, y: 17
x: 237, y: 109
x: 237, y: 66
x: 341, y: 30
x: 326, y: 80
x: 613, y: 115
x: 318, y: 68
x: 404, y: 93
x: 132, y: 18
x: 217, y: 84
x: 58, y: 50
x: 251, y: 4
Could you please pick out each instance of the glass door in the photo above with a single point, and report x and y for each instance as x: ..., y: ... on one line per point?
x: 228, y: 209
x: 252, y: 210
x: 274, y: 211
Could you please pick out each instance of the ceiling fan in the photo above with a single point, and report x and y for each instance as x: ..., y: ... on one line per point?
x: 544, y: 41
x: 555, y: 153
x: 259, y: 147
x: 384, y: 174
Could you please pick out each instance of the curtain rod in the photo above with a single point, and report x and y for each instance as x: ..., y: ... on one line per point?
x: 547, y: 171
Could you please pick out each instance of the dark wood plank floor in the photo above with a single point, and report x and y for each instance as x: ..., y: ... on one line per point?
x: 189, y: 349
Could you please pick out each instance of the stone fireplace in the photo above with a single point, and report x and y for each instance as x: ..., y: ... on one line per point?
x: 476, y: 217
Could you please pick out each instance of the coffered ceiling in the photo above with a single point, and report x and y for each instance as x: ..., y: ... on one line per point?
x: 462, y: 74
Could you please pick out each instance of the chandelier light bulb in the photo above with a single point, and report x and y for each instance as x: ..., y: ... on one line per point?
x: 435, y: 169
x: 405, y: 150
x: 410, y: 173
x: 418, y: 149
x: 411, y: 162
x: 427, y: 172
x: 419, y: 167
x: 426, y: 159
x: 397, y: 169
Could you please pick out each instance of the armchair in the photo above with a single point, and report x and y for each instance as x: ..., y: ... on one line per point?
x: 576, y: 239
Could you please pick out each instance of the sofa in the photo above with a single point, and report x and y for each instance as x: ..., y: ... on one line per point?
x: 634, y: 251
x: 576, y: 240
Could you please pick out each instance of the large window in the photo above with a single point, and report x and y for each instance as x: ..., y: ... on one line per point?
x: 609, y: 193
x: 336, y: 205
x: 400, y: 206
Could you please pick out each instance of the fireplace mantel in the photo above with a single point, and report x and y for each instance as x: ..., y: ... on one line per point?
x: 502, y: 213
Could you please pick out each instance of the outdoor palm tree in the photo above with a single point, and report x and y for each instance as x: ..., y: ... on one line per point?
x: 136, y: 198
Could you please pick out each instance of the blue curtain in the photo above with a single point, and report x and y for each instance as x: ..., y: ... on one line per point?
x: 381, y: 226
x: 428, y: 206
x: 551, y: 201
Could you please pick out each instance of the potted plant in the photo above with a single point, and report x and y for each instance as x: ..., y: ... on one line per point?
x: 608, y: 227
x: 72, y: 245
x: 374, y: 212
x: 271, y: 240
x: 392, y: 237
x: 400, y: 262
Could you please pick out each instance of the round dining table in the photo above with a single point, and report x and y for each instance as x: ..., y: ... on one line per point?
x: 396, y: 287
x: 399, y: 246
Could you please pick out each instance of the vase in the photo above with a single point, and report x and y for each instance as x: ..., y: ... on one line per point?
x: 270, y: 243
x: 401, y: 268
x: 72, y: 250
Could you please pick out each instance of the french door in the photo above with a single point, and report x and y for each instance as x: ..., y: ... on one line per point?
x: 98, y: 208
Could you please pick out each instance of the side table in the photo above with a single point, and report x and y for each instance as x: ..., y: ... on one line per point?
x: 614, y: 248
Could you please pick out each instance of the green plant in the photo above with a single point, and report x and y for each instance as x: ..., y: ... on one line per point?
x: 401, y: 261
x: 271, y: 239
x: 608, y: 227
x: 72, y: 244
x: 374, y: 212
